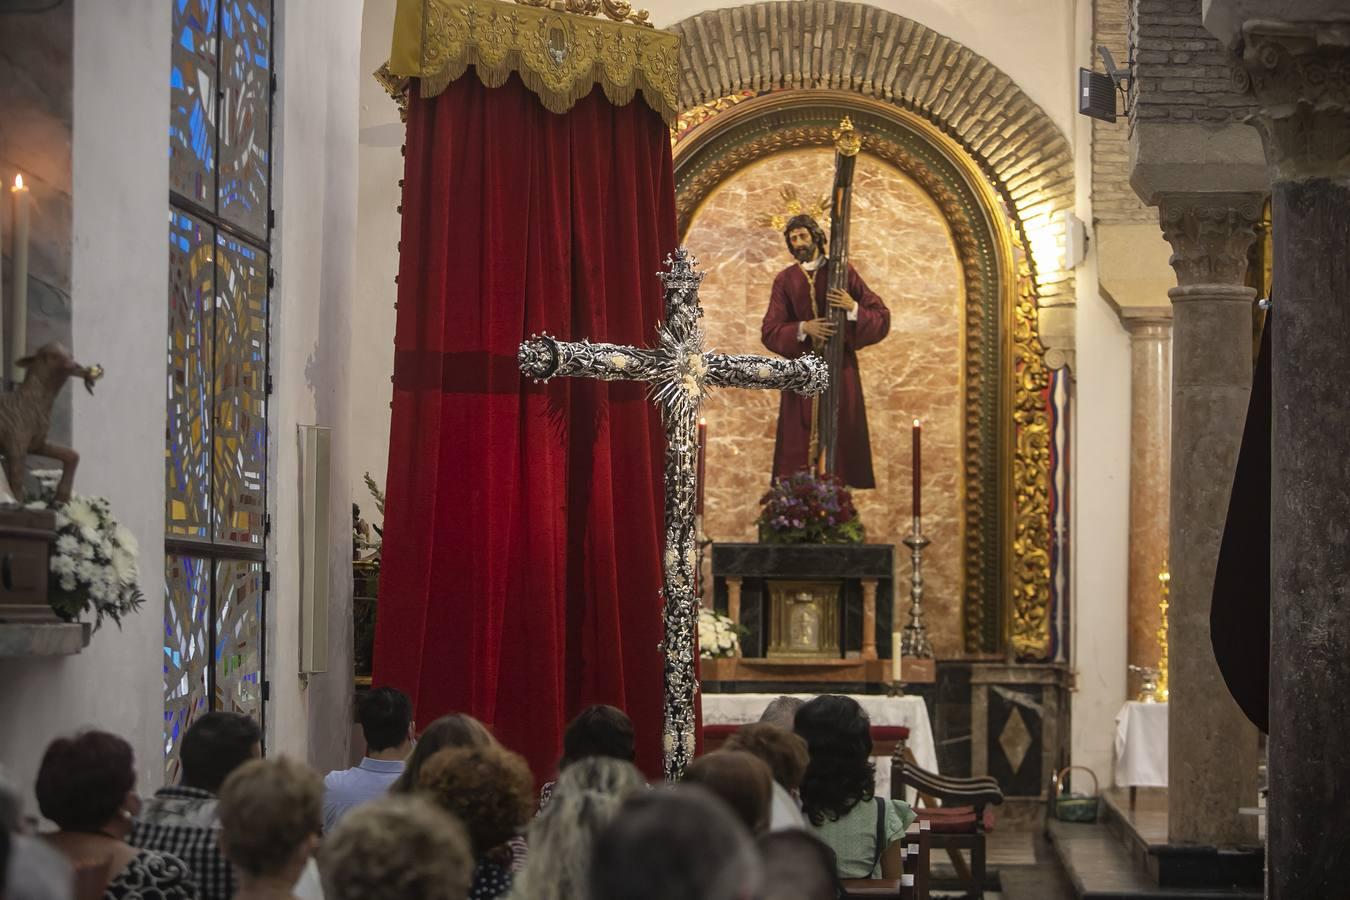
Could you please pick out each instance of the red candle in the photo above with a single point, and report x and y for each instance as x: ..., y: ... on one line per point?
x: 702, y: 458
x: 918, y: 470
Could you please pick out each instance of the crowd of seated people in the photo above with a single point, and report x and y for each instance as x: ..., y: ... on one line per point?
x: 784, y: 811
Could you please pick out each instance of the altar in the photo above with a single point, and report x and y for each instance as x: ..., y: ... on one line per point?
x: 909, y: 712
x: 846, y: 594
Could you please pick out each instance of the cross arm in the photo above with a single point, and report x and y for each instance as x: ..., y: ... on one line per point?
x: 807, y: 375
x: 546, y: 357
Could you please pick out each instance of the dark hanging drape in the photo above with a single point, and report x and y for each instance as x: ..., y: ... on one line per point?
x: 521, y: 568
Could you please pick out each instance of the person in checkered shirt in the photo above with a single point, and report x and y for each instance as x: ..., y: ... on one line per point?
x: 182, y: 819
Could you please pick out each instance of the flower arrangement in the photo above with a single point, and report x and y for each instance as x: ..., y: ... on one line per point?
x: 93, y: 562
x: 807, y: 508
x: 717, y: 635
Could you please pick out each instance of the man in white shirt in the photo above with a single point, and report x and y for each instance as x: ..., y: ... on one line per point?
x: 386, y: 721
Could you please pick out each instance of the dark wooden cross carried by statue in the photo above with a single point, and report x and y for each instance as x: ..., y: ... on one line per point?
x: 680, y: 372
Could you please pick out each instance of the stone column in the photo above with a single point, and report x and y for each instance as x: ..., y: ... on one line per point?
x: 1299, y: 73
x: 1212, y: 748
x: 1150, y: 462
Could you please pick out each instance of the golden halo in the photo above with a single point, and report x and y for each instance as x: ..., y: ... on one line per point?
x: 794, y: 206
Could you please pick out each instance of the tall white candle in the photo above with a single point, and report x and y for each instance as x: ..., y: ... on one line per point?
x: 2, y: 298
x: 18, y: 302
x: 895, y: 656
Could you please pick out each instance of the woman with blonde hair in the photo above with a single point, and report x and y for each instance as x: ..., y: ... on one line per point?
x: 271, y: 815
x: 586, y: 796
x: 397, y: 848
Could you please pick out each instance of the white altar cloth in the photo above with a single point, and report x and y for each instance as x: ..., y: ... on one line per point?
x: 1141, y: 745
x: 741, y: 709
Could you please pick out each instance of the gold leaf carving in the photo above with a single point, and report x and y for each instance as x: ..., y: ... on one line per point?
x: 1030, y: 625
x: 557, y: 49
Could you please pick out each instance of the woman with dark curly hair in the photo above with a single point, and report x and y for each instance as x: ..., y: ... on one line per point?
x: 489, y: 789
x: 838, y: 790
x: 87, y: 786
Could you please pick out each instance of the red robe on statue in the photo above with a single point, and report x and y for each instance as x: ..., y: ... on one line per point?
x: 789, y: 304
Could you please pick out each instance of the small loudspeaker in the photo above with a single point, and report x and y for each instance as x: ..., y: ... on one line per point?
x: 1096, y: 95
x: 315, y: 478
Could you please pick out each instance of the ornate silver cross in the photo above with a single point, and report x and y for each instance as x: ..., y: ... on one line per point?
x: 680, y: 372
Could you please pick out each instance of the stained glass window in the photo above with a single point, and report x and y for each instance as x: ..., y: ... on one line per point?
x: 240, y: 373
x: 239, y: 632
x: 245, y: 113
x: 191, y: 297
x: 192, y: 88
x: 215, y: 520
x: 187, y: 640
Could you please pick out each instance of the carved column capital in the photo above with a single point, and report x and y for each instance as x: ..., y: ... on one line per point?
x: 1299, y: 73
x: 1210, y: 235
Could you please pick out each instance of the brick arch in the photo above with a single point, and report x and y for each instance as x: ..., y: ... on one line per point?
x: 879, y: 54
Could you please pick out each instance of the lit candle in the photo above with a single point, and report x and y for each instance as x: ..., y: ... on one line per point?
x: 702, y: 459
x: 895, y: 656
x: 18, y: 303
x: 918, y: 470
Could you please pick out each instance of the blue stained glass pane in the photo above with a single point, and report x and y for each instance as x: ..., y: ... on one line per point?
x: 245, y: 116
x: 187, y: 477
x: 187, y: 622
x: 192, y: 98
x: 239, y: 628
x: 240, y: 357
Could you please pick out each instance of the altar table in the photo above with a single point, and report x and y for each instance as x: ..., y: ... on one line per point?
x: 1141, y: 745
x: 742, y: 709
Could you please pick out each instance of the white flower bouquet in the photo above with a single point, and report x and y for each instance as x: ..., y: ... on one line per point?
x: 718, y: 635
x: 93, y: 563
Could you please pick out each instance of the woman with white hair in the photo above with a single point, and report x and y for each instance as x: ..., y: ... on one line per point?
x: 587, y: 795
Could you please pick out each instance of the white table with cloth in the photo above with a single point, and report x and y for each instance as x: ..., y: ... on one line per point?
x: 742, y: 709
x: 1141, y: 745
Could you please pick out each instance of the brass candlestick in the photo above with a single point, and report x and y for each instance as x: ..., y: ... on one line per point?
x: 1153, y: 684
x: 914, y: 639
x: 1164, y: 579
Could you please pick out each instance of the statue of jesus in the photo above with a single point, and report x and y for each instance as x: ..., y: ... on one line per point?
x: 797, y: 322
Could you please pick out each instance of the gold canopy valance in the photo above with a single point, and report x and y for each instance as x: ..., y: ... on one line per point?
x: 559, y: 51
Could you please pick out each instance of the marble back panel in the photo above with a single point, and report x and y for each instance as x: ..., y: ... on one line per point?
x: 903, y: 249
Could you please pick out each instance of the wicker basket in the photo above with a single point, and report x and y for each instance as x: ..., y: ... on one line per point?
x: 1073, y: 807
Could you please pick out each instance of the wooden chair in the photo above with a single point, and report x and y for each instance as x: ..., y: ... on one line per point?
x: 883, y: 888
x: 962, y: 820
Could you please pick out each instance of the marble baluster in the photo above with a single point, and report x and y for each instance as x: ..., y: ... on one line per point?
x: 1150, y: 462
x: 1212, y: 748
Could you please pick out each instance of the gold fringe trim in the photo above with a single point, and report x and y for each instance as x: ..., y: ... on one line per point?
x: 560, y: 56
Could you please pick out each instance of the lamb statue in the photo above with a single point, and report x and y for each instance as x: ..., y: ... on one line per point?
x: 26, y: 414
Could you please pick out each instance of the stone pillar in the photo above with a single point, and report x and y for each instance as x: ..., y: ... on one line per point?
x: 1212, y: 748
x: 1150, y: 462
x: 1299, y: 73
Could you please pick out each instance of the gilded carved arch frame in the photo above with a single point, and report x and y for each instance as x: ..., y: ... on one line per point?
x: 1005, y: 610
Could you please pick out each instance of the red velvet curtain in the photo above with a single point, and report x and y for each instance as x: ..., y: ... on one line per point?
x: 521, y: 568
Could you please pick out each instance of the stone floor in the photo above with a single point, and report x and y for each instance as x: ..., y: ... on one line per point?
x: 1026, y: 867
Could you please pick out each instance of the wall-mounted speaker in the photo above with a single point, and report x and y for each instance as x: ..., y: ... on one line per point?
x: 315, y: 483
x: 1096, y: 95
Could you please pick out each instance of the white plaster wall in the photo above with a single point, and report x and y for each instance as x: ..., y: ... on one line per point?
x: 318, y: 43
x: 119, y: 278
x: 1100, y: 460
x: 377, y: 227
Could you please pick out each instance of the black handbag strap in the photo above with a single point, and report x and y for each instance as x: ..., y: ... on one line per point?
x: 881, y: 834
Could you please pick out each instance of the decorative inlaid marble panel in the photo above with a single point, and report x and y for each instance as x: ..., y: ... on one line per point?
x: 901, y: 247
